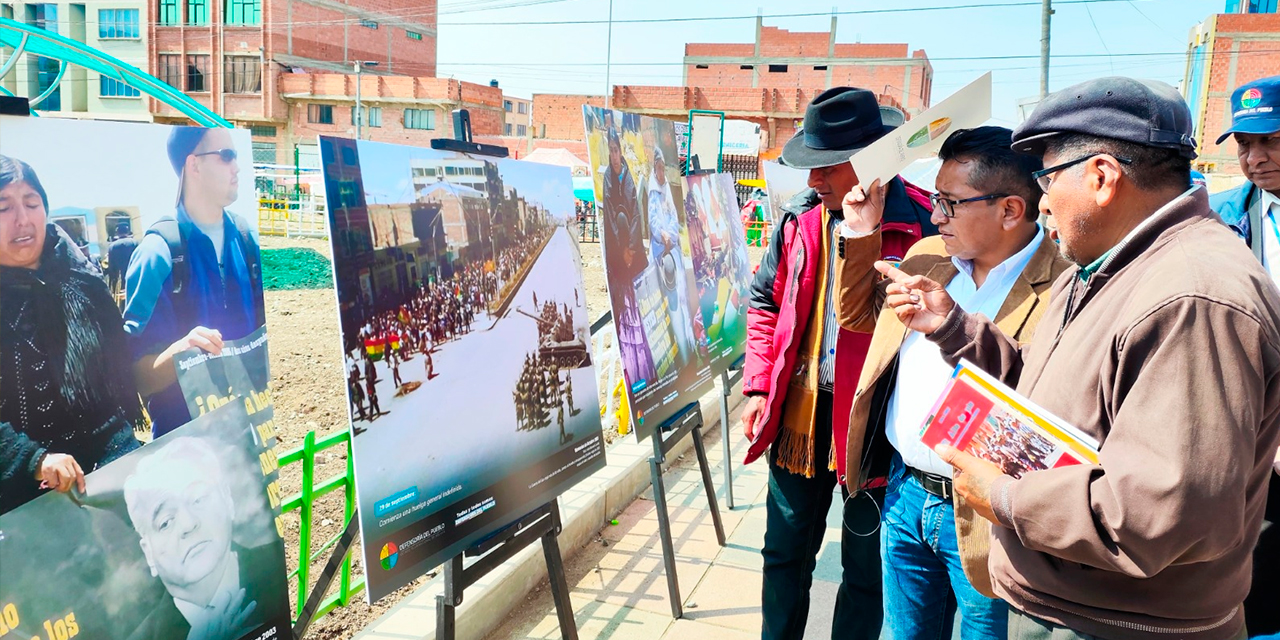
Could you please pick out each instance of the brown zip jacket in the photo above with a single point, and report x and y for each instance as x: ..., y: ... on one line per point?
x: 1169, y: 355
x: 859, y: 311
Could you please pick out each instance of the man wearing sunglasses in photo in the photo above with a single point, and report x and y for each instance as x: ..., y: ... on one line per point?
x: 994, y: 258
x: 195, y: 279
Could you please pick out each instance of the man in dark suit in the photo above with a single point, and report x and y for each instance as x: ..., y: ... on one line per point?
x: 182, y: 509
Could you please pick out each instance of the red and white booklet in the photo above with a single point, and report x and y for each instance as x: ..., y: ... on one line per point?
x: 983, y: 417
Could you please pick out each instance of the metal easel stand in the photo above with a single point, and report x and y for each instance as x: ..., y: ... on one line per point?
x: 727, y: 380
x: 542, y: 524
x: 308, y: 614
x: 687, y: 422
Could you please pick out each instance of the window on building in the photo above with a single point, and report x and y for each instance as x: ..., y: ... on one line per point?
x: 506, y: 106
x: 522, y: 130
x: 168, y: 15
x: 522, y: 108
x: 244, y: 12
x: 777, y: 68
x: 117, y: 23
x: 368, y: 24
x: 43, y: 16
x: 819, y: 67
x: 197, y: 12
x: 242, y: 74
x: 169, y: 69
x: 320, y: 113
x: 198, y: 72
x: 746, y: 67
x: 264, y: 152
x: 372, y: 116
x: 413, y: 35
x: 112, y: 88
x: 262, y: 131
x: 701, y: 66
x: 420, y: 119
x: 506, y: 130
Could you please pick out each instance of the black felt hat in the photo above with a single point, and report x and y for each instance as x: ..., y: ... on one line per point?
x: 838, y: 123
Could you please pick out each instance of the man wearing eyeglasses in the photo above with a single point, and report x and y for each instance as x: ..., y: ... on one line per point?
x: 1163, y: 343
x: 996, y: 260
x: 1253, y: 210
x: 796, y: 375
x: 195, y: 278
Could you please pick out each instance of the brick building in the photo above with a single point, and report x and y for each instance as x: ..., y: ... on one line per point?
x: 237, y: 56
x: 400, y: 109
x: 1224, y: 52
x: 770, y: 81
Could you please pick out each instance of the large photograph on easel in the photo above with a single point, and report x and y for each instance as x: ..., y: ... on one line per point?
x: 721, y: 266
x: 132, y: 311
x: 467, y: 343
x: 178, y: 539
x: 665, y: 353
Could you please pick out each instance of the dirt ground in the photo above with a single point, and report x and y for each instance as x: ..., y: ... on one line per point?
x: 309, y: 394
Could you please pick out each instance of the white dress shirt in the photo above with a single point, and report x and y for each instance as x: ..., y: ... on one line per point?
x: 1266, y: 233
x: 922, y: 373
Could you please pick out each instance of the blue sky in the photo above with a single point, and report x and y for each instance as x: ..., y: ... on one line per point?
x: 1140, y: 38
x: 384, y: 168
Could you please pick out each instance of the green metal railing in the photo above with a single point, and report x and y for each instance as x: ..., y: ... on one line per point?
x: 304, y: 503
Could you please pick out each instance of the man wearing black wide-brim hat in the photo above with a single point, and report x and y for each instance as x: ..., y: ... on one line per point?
x: 797, y: 405
x: 1164, y: 348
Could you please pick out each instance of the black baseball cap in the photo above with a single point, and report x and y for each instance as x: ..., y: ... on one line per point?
x: 1255, y: 108
x: 1144, y: 112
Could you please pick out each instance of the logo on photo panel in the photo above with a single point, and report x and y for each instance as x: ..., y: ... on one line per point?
x: 390, y: 553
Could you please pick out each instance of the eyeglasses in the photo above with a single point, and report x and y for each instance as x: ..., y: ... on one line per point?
x: 948, y: 207
x: 1044, y: 177
x: 227, y: 155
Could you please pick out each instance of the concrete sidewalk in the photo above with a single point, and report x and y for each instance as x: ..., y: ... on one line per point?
x: 619, y: 589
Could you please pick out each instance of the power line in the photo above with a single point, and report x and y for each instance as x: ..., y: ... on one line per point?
x: 858, y: 12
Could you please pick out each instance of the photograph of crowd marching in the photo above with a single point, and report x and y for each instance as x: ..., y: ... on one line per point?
x: 464, y: 327
x: 721, y: 267
x: 117, y: 261
x: 645, y: 240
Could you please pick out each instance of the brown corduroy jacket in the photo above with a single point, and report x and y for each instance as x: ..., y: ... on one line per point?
x: 861, y: 308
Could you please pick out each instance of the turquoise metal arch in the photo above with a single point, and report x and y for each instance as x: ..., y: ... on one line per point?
x: 23, y: 38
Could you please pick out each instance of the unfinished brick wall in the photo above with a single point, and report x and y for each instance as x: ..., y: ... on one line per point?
x: 1246, y: 47
x: 559, y: 116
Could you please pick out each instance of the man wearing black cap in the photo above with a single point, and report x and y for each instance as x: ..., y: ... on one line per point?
x: 1165, y: 348
x: 798, y: 408
x: 195, y: 279
x: 1253, y: 210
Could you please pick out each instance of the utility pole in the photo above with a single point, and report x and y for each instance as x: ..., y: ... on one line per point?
x: 360, y: 120
x: 608, y: 60
x: 1046, y: 13
x: 359, y: 114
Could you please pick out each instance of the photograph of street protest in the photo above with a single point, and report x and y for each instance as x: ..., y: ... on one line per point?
x: 175, y: 540
x: 721, y: 267
x: 467, y: 344
x: 661, y: 337
x: 150, y: 233
x: 1015, y: 447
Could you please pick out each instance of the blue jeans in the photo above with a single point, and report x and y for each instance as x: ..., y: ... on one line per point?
x: 924, y: 582
x: 796, y: 521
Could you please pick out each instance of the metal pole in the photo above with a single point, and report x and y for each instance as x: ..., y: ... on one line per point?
x: 608, y: 60
x: 1045, y: 16
x: 358, y: 118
